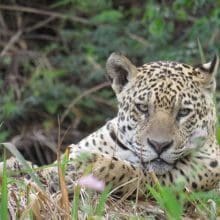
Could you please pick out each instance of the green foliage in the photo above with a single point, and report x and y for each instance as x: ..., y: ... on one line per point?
x: 110, y: 16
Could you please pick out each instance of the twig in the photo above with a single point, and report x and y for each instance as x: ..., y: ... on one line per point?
x: 39, y: 24
x: 11, y: 43
x: 58, y: 141
x: 44, y: 12
x: 84, y: 94
x: 2, y: 22
x: 104, y: 102
x: 40, y: 37
x: 139, y: 39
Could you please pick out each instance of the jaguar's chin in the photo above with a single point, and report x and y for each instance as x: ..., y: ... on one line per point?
x: 158, y: 166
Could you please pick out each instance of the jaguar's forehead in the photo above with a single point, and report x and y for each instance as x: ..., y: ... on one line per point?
x: 166, y: 74
x: 168, y: 69
x: 165, y: 81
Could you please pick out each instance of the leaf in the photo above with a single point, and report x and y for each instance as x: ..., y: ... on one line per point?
x: 53, y: 74
x: 9, y: 108
x: 157, y: 27
x: 51, y: 106
x: 109, y: 16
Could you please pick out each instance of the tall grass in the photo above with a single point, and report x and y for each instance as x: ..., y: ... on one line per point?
x: 173, y: 200
x: 100, y: 208
x: 4, y: 193
x: 75, y: 204
x: 167, y: 200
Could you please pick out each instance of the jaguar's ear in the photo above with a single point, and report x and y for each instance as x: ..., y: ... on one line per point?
x: 208, y: 72
x: 120, y: 70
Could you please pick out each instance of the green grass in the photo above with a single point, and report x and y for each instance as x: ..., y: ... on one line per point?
x: 75, y: 205
x: 97, y: 209
x: 174, y: 201
x: 166, y: 197
x: 4, y: 193
x: 100, y: 208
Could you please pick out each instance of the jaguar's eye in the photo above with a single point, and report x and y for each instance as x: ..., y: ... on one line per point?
x: 183, y: 112
x: 142, y: 108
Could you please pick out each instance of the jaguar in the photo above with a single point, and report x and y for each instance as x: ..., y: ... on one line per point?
x: 165, y: 130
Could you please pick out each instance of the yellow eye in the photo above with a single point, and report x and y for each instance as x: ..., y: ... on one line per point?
x: 183, y: 112
x: 142, y: 108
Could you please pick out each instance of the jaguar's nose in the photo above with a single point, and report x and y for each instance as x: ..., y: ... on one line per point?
x: 159, y: 147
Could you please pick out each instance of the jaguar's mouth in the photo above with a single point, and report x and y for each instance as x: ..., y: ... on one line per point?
x: 160, y: 161
x: 158, y: 166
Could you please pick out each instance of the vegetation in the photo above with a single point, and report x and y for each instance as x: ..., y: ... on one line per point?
x: 52, y: 74
x: 162, y: 202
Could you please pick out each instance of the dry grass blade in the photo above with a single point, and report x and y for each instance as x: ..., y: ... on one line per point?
x: 34, y: 206
x: 64, y: 192
x: 63, y: 188
x: 125, y: 196
x: 154, y: 178
x: 43, y: 205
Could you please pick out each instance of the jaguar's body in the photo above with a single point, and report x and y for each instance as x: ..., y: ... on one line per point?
x: 165, y: 124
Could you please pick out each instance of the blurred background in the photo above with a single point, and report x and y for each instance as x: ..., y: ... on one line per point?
x: 53, y: 54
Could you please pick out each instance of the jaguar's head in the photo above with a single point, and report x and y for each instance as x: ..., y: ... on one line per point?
x: 166, y: 109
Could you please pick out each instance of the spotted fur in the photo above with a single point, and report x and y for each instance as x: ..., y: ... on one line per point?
x: 166, y: 125
x: 166, y: 103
